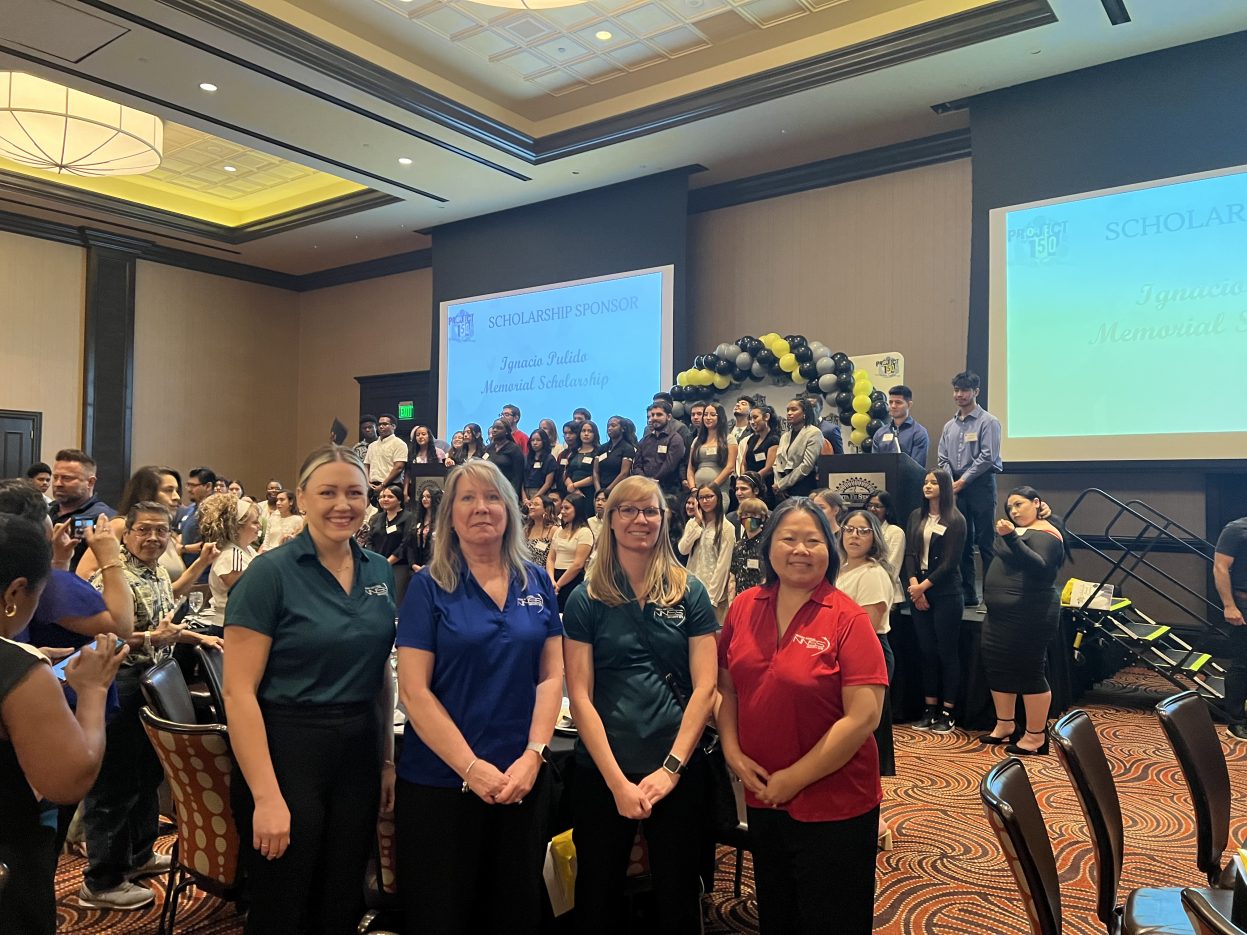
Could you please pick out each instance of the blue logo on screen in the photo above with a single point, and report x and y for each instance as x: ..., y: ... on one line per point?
x: 462, y: 327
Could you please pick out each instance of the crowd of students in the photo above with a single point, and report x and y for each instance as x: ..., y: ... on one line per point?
x: 697, y: 574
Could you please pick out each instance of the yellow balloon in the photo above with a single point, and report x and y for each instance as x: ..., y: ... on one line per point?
x: 861, y: 420
x: 861, y: 404
x: 787, y: 363
x: 797, y: 378
x: 681, y: 378
x: 722, y: 381
x: 707, y: 377
x: 858, y: 436
x: 780, y: 347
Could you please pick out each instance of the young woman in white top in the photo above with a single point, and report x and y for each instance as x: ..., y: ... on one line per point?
x: 799, y: 448
x: 880, y: 504
x: 286, y: 525
x: 570, y: 547
x: 866, y: 578
x: 233, y: 525
x: 708, y: 540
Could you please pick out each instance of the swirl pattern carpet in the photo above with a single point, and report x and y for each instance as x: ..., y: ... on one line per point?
x: 945, y: 875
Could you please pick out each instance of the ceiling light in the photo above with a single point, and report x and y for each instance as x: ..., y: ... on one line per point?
x: 207, y: 86
x: 404, y: 161
x: 229, y: 168
x: 58, y: 129
x: 603, y: 35
x: 530, y: 4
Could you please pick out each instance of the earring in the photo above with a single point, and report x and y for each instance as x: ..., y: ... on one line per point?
x: 10, y: 610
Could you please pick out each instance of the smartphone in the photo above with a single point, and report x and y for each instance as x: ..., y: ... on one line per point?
x: 78, y: 527
x: 59, y: 668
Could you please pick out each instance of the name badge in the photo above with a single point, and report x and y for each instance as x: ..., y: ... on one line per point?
x: 587, y: 459
x: 485, y: 456
x: 752, y: 563
x: 391, y: 529
x: 888, y: 437
x: 710, y: 449
x: 602, y: 456
x: 760, y: 457
x: 938, y: 530
x: 972, y: 436
x: 536, y: 465
x: 662, y: 449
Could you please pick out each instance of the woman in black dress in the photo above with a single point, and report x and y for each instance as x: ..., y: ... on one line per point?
x: 1023, y: 612
x: 388, y: 532
x: 507, y: 455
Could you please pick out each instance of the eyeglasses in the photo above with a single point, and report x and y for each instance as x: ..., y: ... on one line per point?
x: 630, y: 513
x: 856, y: 530
x: 161, y: 532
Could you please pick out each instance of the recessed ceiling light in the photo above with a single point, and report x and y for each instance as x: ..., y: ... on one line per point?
x: 404, y: 161
x: 229, y: 168
x: 603, y: 35
x: 207, y: 86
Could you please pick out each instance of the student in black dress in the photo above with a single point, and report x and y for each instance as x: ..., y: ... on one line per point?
x: 571, y: 442
x: 614, y: 461
x: 578, y: 476
x: 540, y: 467
x: 756, y: 452
x: 389, y: 532
x: 506, y: 454
x: 418, y: 545
x: 934, y: 537
x: 1023, y: 613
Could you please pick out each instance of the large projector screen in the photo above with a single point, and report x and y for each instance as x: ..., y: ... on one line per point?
x: 1119, y: 322
x: 601, y: 343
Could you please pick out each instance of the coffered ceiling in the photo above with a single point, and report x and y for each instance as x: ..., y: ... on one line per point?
x: 430, y: 111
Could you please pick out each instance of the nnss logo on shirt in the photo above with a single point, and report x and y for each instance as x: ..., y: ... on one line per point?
x: 377, y: 590
x: 674, y: 614
x: 532, y: 600
x: 819, y: 644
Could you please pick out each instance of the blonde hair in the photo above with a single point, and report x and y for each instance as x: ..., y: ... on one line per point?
x: 665, y: 578
x: 754, y: 503
x: 328, y: 454
x: 447, y: 563
x: 219, y: 521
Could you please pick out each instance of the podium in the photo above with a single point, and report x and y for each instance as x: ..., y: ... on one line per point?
x: 856, y: 477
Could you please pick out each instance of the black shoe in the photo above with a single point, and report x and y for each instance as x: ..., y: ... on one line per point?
x: 1238, y: 730
x: 943, y: 723
x: 1022, y: 751
x: 970, y: 601
x: 928, y: 719
x: 996, y: 741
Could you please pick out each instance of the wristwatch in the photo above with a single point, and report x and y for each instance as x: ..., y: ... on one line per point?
x: 541, y: 749
x: 673, y: 764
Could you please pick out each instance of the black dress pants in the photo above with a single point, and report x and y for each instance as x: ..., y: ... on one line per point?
x: 603, y: 840
x: 939, y: 637
x: 977, y: 503
x: 328, y: 769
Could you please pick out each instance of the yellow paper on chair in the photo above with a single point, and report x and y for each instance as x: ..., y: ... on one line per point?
x: 559, y: 872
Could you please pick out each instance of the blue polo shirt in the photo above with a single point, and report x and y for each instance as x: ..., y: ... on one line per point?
x: 909, y: 438
x: 329, y: 647
x: 485, y: 668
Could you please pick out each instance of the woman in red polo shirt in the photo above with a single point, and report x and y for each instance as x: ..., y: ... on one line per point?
x: 802, y: 677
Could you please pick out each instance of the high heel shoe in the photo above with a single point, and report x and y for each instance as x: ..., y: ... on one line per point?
x: 885, y: 839
x: 996, y: 741
x: 1022, y: 751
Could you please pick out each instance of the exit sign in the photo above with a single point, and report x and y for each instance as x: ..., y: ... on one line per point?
x: 406, y: 412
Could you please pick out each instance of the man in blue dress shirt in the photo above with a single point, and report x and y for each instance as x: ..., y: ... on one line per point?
x: 902, y: 433
x: 969, y: 449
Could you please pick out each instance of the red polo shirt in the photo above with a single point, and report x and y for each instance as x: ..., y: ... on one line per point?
x: 789, y: 695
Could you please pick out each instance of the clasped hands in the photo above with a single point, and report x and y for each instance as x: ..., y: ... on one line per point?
x: 636, y: 800
x: 773, y: 789
x: 495, y: 787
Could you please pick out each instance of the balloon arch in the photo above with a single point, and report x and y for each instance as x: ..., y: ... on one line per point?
x: 809, y: 368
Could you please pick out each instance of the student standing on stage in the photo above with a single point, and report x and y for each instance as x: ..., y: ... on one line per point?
x: 539, y: 466
x: 901, y: 434
x: 660, y: 454
x: 511, y: 416
x: 506, y: 454
x: 614, y: 461
x: 969, y: 450
x: 799, y: 448
x: 578, y: 475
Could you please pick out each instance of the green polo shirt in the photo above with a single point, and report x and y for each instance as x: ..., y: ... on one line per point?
x: 329, y: 647
x: 639, y: 711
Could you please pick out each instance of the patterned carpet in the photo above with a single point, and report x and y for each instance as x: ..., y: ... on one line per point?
x: 944, y: 875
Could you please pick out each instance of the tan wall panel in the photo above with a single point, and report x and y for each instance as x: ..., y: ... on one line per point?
x: 376, y: 326
x: 215, y: 375
x: 876, y: 265
x: 42, y: 312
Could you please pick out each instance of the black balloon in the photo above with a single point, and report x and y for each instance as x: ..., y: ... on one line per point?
x: 874, y: 426
x: 796, y: 341
x: 677, y: 393
x: 839, y: 356
x: 812, y: 388
x: 711, y: 362
x: 878, y: 410
x: 846, y: 416
x: 808, y: 370
x: 845, y: 368
x: 754, y: 376
x: 724, y: 366
x: 745, y: 343
x: 803, y: 354
x: 765, y: 357
x: 844, y: 400
x: 845, y: 382
x: 866, y: 446
x: 740, y: 376
x: 878, y: 396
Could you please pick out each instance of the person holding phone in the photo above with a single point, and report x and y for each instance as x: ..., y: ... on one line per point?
x: 44, y: 745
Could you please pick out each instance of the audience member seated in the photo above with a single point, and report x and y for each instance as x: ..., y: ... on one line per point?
x: 147, y: 484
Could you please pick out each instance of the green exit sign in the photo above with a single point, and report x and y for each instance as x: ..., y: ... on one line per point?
x: 406, y: 412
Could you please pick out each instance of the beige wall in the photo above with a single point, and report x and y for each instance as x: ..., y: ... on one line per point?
x: 215, y: 374
x: 375, y: 326
x: 42, y: 312
x: 876, y: 265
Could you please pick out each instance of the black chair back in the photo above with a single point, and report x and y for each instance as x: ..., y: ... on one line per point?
x: 1188, y: 726
x: 1206, y: 919
x: 1079, y: 750
x: 164, y: 688
x: 1014, y: 816
x: 212, y: 662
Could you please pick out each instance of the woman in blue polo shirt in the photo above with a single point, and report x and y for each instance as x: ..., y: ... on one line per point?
x: 640, y: 659
x: 480, y: 672
x: 309, y: 697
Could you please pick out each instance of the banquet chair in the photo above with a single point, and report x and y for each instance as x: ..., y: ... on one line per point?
x: 212, y: 663
x: 1155, y: 910
x: 1206, y: 918
x: 206, y: 852
x: 1017, y: 822
x: 1188, y: 727
x: 165, y: 690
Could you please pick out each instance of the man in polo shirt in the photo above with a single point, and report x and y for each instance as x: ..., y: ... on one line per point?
x: 511, y: 416
x: 660, y: 454
x: 73, y: 493
x: 969, y: 450
x: 1229, y: 574
x: 902, y: 434
x: 200, y: 484
x: 367, y: 435
x: 387, y: 456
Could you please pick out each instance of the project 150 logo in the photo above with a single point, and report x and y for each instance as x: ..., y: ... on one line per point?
x: 461, y: 325
x: 1039, y: 241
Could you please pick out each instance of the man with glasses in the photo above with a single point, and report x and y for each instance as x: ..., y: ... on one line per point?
x: 121, y: 812
x: 199, y: 486
x: 387, y: 456
x: 511, y: 416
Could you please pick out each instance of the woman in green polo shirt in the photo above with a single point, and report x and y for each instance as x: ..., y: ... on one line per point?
x: 308, y: 634
x: 639, y: 653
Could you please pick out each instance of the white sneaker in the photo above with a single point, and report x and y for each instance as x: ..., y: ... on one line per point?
x: 126, y: 896
x: 156, y: 865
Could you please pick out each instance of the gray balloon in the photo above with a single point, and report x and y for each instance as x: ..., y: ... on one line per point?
x: 677, y: 410
x: 744, y: 361
x: 758, y: 370
x: 733, y: 350
x: 721, y: 350
x: 827, y: 383
x: 825, y: 365
x: 823, y: 351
